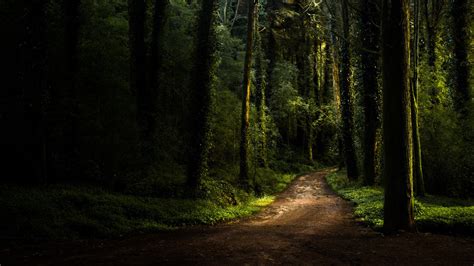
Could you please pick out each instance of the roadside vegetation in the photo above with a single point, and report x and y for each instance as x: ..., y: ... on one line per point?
x: 432, y: 213
x: 65, y: 212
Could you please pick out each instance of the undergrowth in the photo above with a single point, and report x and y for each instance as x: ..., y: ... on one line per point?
x: 59, y: 211
x: 432, y: 213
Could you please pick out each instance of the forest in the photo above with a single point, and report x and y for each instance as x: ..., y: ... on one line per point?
x: 189, y: 125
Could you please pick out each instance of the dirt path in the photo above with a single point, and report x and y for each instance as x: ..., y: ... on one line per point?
x: 307, y: 224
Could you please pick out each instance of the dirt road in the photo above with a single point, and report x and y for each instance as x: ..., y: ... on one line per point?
x: 307, y: 224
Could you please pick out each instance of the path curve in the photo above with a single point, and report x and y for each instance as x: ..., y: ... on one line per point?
x: 307, y: 225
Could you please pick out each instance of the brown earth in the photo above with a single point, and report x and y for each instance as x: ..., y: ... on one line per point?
x: 307, y: 224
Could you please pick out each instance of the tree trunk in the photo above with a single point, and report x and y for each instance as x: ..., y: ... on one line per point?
x: 460, y: 15
x: 34, y: 84
x: 201, y: 94
x: 260, y: 100
x: 271, y: 49
x: 156, y: 51
x: 71, y: 131
x: 245, y: 117
x: 138, y: 76
x: 71, y: 32
x: 419, y: 184
x: 347, y: 108
x: 336, y: 83
x: 397, y: 127
x: 369, y: 61
x: 313, y: 92
x: 327, y: 75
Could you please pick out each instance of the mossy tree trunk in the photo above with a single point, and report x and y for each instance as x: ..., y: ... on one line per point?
x: 313, y: 89
x: 201, y: 94
x: 260, y: 99
x: 336, y: 66
x: 397, y: 127
x: 245, y: 116
x: 369, y: 63
x: 419, y: 184
x: 347, y: 107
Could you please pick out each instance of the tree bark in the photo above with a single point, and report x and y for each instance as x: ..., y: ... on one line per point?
x: 201, y: 94
x: 397, y: 127
x: 369, y: 61
x: 138, y: 77
x: 35, y: 91
x: 71, y: 131
x: 156, y: 50
x: 419, y: 184
x: 260, y: 99
x: 347, y: 108
x: 245, y: 116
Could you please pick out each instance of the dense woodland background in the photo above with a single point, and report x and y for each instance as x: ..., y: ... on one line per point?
x: 175, y: 98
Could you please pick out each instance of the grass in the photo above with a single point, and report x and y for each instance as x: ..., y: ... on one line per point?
x: 432, y: 213
x: 59, y: 211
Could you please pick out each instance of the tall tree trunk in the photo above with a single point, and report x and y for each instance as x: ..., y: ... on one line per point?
x: 260, y: 99
x: 327, y: 75
x: 417, y: 163
x: 156, y: 50
x: 313, y: 92
x: 346, y: 99
x: 34, y: 84
x: 71, y: 34
x: 271, y: 49
x: 245, y: 117
x: 138, y: 76
x: 156, y: 104
x: 201, y: 94
x: 460, y: 14
x: 327, y: 92
x: 336, y: 83
x: 369, y: 61
x: 397, y: 127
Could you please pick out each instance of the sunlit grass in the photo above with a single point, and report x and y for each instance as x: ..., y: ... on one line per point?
x: 432, y: 213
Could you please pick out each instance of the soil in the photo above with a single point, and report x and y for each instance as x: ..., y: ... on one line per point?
x: 307, y: 224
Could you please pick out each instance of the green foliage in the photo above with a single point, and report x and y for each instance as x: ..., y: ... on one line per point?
x: 231, y: 60
x: 225, y: 141
x: 432, y: 213
x: 72, y: 212
x: 284, y: 97
x: 271, y: 182
x: 447, y: 140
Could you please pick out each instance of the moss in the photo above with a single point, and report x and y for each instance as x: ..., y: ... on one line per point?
x: 432, y: 213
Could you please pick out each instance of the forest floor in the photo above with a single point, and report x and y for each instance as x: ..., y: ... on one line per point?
x: 307, y: 224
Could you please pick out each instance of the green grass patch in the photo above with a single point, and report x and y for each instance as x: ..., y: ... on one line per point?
x: 432, y: 213
x: 59, y: 211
